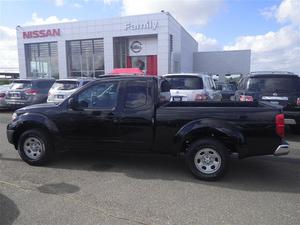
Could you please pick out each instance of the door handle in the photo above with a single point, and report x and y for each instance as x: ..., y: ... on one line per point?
x: 113, y: 117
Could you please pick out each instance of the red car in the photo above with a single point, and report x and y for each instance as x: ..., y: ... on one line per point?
x: 127, y: 71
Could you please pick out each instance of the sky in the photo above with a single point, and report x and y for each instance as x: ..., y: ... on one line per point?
x: 270, y: 28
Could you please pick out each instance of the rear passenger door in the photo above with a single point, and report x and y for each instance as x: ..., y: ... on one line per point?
x: 137, y: 119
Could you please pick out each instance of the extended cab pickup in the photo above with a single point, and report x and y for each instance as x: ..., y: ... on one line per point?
x: 132, y: 114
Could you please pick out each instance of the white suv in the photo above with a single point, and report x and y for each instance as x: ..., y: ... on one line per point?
x: 193, y: 87
x: 63, y: 88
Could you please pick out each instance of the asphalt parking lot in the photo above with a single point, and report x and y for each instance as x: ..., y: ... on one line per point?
x: 96, y: 188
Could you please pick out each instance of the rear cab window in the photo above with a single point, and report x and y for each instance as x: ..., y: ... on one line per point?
x: 185, y: 82
x: 138, y: 95
x: 65, y: 85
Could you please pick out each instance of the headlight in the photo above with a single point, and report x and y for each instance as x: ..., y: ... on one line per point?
x: 14, y: 116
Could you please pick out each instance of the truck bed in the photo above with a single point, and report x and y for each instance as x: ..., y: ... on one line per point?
x: 221, y: 104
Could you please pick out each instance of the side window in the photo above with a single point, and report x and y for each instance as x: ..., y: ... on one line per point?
x: 213, y: 85
x: 103, y: 95
x: 136, y: 94
x: 208, y: 83
x: 241, y: 84
x: 85, y: 82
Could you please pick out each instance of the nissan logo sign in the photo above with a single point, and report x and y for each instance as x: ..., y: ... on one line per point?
x: 136, y: 46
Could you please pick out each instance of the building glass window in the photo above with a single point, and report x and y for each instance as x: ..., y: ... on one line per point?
x: 42, y: 60
x: 120, y: 52
x: 85, y: 58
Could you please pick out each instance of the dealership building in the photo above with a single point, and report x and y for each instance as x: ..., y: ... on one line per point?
x: 155, y: 43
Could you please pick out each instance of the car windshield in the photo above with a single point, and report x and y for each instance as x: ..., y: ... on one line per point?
x: 65, y: 85
x: 228, y: 87
x: 274, y: 84
x: 16, y: 85
x: 185, y: 82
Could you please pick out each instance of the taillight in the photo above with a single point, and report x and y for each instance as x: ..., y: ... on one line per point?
x: 298, y: 101
x: 246, y: 98
x: 201, y: 97
x: 31, y: 92
x: 2, y: 95
x: 280, y: 128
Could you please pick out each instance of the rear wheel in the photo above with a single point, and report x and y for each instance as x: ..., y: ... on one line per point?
x: 35, y: 147
x: 295, y: 129
x: 207, y: 159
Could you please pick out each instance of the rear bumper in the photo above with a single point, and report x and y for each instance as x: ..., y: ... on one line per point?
x: 282, y: 149
x: 55, y: 101
x: 22, y: 103
x: 292, y: 117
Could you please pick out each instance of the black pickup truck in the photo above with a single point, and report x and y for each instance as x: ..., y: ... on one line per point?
x: 132, y: 114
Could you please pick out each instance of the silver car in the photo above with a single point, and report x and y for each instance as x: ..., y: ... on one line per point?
x: 3, y: 90
x: 193, y: 87
x: 24, y: 92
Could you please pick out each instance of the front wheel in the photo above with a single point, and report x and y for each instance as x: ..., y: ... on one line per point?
x: 207, y: 159
x: 35, y: 147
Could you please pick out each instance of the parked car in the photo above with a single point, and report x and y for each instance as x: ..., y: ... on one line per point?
x: 280, y: 88
x: 63, y: 88
x: 127, y: 114
x: 3, y: 89
x: 23, y: 92
x: 193, y: 87
x: 227, y: 90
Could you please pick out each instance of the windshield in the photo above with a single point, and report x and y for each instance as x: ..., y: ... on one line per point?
x: 65, y: 85
x: 228, y: 87
x: 274, y: 84
x: 16, y: 85
x: 185, y: 82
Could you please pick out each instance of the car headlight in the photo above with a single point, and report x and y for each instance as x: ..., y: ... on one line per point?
x: 14, y: 116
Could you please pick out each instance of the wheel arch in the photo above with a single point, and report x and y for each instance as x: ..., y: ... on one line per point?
x: 229, y: 135
x: 33, y: 121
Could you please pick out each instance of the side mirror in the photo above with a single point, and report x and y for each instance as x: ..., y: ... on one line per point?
x: 72, y: 103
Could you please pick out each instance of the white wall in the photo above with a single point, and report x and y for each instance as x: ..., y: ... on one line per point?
x: 223, y: 62
x: 149, y: 45
x: 188, y: 46
x: 150, y: 24
x: 184, y: 46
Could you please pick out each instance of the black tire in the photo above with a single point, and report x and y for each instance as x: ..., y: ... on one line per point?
x: 295, y: 129
x: 220, y: 156
x: 45, y: 141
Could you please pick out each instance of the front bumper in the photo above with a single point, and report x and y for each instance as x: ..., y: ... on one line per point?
x: 10, y: 135
x: 282, y: 149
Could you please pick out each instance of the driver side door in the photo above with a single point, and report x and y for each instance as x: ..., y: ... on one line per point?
x: 94, y: 122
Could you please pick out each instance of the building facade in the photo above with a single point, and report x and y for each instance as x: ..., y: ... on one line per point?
x: 155, y: 43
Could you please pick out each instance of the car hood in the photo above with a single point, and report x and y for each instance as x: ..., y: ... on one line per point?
x: 38, y: 108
